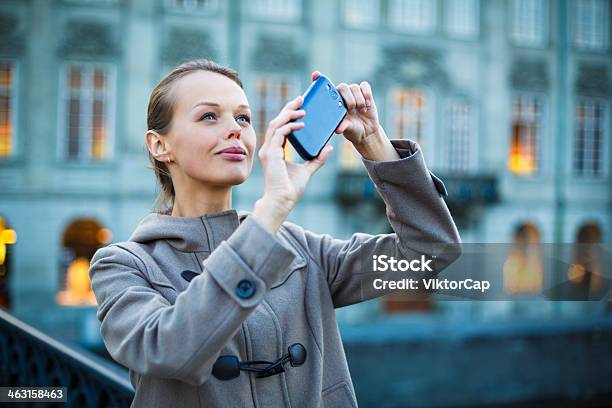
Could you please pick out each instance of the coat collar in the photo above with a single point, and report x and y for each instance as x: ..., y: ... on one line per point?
x: 189, y: 234
x: 202, y: 234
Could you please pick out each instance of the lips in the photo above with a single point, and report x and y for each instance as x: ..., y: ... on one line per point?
x: 234, y: 150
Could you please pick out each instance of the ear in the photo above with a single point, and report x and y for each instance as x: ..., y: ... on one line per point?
x: 158, y: 146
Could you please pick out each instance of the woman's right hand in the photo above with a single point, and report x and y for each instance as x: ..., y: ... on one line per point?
x: 284, y: 182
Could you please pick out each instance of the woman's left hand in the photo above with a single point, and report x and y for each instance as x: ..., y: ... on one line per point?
x: 361, y: 120
x: 360, y: 125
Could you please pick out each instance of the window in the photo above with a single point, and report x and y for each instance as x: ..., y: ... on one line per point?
x: 527, y: 129
x: 87, y: 115
x: 7, y: 109
x: 585, y: 272
x: 271, y: 94
x: 81, y: 239
x: 590, y: 135
x: 413, y: 15
x: 193, y: 5
x: 460, y: 131
x: 8, y: 237
x: 360, y: 13
x: 591, y: 20
x: 462, y: 18
x: 408, y: 114
x: 277, y: 9
x: 529, y: 22
x: 523, y: 270
x: 103, y: 2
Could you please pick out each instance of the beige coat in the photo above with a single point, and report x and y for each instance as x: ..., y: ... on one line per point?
x: 252, y: 294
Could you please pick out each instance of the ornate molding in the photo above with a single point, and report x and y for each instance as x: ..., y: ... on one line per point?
x: 277, y: 55
x: 410, y: 65
x: 593, y: 79
x: 528, y: 74
x: 89, y: 39
x: 183, y: 44
x: 12, y: 41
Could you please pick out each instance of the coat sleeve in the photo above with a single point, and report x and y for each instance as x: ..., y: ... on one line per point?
x: 420, y: 220
x: 147, y: 334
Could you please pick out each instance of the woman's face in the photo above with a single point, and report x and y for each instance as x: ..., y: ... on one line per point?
x: 211, y: 113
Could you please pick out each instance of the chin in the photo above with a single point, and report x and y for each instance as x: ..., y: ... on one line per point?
x: 234, y: 181
x: 235, y: 177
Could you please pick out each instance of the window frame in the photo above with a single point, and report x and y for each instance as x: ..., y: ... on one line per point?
x: 367, y: 26
x: 472, y: 136
x: 545, y: 25
x: 265, y: 15
x: 399, y: 26
x: 574, y: 28
x: 110, y: 108
x: 428, y: 139
x: 542, y: 140
x: 293, y: 81
x: 172, y: 7
x: 605, y: 120
x: 14, y: 113
x: 462, y: 36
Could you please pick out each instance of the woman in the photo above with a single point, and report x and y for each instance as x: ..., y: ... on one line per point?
x: 202, y: 303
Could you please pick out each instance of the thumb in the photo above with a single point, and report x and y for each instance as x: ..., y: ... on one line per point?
x: 315, y: 164
x: 344, y: 126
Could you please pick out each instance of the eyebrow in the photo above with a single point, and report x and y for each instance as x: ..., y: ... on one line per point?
x: 217, y: 105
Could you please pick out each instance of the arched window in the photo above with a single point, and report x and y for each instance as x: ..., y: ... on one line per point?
x: 81, y: 240
x: 523, y: 268
x: 7, y: 238
x: 585, y: 270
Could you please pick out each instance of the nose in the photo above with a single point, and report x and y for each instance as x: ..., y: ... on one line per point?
x: 233, y: 130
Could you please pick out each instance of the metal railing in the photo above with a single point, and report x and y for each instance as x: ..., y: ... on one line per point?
x: 30, y: 358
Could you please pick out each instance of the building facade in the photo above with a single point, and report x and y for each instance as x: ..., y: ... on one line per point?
x: 509, y: 100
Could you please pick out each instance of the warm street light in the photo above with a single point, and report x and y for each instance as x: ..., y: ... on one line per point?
x: 7, y: 236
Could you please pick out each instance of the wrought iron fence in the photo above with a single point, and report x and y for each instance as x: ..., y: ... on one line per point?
x: 30, y: 358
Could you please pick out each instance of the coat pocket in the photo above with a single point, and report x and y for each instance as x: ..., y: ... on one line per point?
x: 337, y: 396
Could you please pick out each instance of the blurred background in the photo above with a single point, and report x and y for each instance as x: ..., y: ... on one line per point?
x: 509, y: 100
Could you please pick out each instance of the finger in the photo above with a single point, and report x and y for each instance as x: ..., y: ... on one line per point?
x: 366, y: 90
x: 279, y: 121
x: 315, y: 75
x: 293, y: 104
x: 315, y: 164
x: 278, y: 138
x: 344, y: 126
x: 359, y: 99
x: 286, y: 116
x: 346, y: 93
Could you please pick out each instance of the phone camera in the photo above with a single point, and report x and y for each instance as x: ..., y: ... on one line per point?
x: 334, y: 94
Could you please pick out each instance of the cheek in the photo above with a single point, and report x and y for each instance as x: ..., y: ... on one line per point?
x: 195, y: 142
x: 249, y: 139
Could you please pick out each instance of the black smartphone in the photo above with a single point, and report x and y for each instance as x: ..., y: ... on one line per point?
x: 324, y: 109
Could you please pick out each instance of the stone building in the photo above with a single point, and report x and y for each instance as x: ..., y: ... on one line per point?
x: 509, y: 100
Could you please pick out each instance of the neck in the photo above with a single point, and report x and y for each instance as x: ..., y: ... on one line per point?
x: 201, y: 199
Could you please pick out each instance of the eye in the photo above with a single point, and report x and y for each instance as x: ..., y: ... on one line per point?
x: 208, y: 116
x: 244, y: 118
